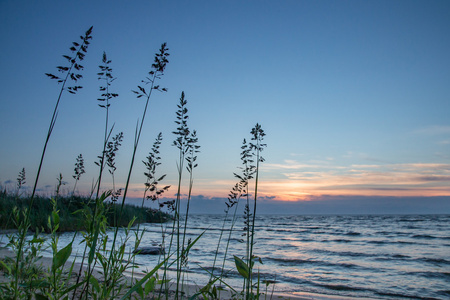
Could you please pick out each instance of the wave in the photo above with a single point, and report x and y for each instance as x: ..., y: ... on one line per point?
x: 392, y: 295
x: 296, y: 262
x: 435, y: 275
x: 336, y: 254
x: 340, y: 287
x: 435, y: 261
x: 445, y: 293
x: 381, y: 256
x: 423, y: 236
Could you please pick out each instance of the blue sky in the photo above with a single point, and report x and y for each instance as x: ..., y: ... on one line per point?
x: 354, y: 96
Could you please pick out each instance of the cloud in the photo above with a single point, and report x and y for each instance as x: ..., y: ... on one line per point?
x: 434, y: 178
x: 290, y: 164
x: 329, y: 204
x: 292, y: 180
x: 301, y: 181
x: 434, y: 130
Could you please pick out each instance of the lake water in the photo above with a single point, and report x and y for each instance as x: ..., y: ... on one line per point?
x: 382, y: 256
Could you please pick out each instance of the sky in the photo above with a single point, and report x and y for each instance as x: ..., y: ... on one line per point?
x: 354, y: 97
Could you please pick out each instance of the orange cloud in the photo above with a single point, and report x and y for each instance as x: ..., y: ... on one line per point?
x: 302, y: 181
x: 293, y: 181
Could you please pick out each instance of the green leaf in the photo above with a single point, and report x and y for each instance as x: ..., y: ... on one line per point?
x: 156, y: 268
x: 55, y: 218
x: 37, y: 240
x: 61, y: 257
x: 257, y: 258
x: 101, y: 259
x: 40, y: 297
x: 214, y: 292
x: 161, y: 282
x: 95, y: 284
x: 39, y: 283
x: 140, y: 291
x: 5, y: 266
x: 94, y: 245
x: 145, y: 278
x: 71, y: 288
x: 241, y: 266
x: 150, y: 285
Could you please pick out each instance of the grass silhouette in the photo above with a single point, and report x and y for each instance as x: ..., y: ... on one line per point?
x: 100, y: 216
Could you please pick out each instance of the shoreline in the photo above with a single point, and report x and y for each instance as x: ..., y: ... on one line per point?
x: 191, y: 289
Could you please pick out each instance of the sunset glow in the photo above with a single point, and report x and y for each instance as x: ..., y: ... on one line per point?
x: 355, y: 106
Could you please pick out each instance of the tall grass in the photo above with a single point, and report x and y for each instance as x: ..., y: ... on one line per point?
x: 256, y: 147
x: 79, y: 170
x: 70, y: 73
x: 100, y: 218
x: 186, y: 143
x: 105, y: 75
x: 251, y: 153
x: 97, y: 218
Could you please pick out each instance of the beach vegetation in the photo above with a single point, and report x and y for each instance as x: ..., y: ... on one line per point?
x: 67, y: 206
x: 99, y: 216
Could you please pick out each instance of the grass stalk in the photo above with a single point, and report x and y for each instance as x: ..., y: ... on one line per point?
x: 257, y: 146
x: 79, y: 51
x: 79, y: 170
x: 151, y: 185
x: 95, y: 212
x: 158, y: 67
x: 186, y: 142
x: 105, y: 75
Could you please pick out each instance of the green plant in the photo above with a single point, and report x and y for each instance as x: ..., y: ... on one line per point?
x: 95, y: 224
x: 70, y: 73
x: 158, y: 67
x: 58, y: 278
x: 255, y: 147
x: 20, y: 181
x: 239, y: 190
x: 26, y: 275
x: 151, y: 191
x: 79, y: 170
x: 102, y: 212
x: 251, y: 152
x: 59, y: 185
x: 111, y: 150
x: 99, y: 214
x: 105, y: 75
x: 186, y: 143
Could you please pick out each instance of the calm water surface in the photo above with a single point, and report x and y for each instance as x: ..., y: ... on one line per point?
x: 384, y: 257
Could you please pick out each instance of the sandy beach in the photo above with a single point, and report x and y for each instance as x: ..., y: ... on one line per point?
x: 190, y: 289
